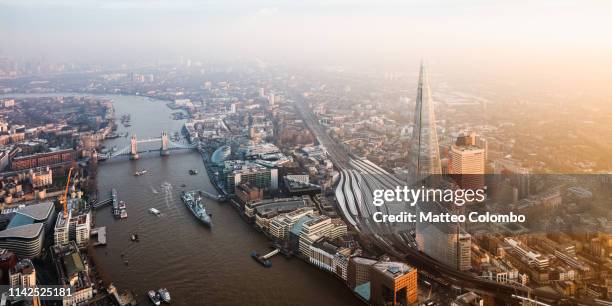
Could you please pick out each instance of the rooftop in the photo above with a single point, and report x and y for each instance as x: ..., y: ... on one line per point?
x: 278, y: 205
x: 363, y: 260
x: 363, y: 291
x: 241, y: 166
x: 297, y: 227
x: 38, y: 212
x: 393, y: 269
x: 468, y: 298
x: 326, y: 246
x: 28, y: 231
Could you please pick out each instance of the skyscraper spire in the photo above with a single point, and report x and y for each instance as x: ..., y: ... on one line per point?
x: 425, y: 151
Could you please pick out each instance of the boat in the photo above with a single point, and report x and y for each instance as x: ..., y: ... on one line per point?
x: 140, y: 172
x: 120, y: 211
x: 193, y: 171
x: 260, y: 259
x: 194, y: 202
x: 134, y: 237
x: 112, y: 135
x: 154, y: 297
x: 164, y: 294
x: 119, y: 208
x: 155, y: 211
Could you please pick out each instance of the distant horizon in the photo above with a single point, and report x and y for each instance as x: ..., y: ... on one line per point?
x: 563, y: 45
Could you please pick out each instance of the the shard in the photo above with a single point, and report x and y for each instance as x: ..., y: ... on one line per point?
x: 425, y: 153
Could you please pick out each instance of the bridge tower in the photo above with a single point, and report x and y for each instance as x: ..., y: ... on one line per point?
x: 134, y: 148
x: 163, y: 151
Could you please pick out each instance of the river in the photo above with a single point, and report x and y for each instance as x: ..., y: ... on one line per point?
x: 199, y: 266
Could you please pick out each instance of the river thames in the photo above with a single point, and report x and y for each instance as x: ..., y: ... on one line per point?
x: 198, y: 265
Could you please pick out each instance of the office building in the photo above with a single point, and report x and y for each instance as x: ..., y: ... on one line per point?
x: 312, y: 230
x: 271, y: 99
x: 340, y: 265
x: 322, y: 253
x: 43, y: 159
x: 25, y: 233
x: 220, y: 155
x: 23, y: 274
x: 61, y: 232
x: 238, y: 171
x: 358, y: 271
x: 518, y: 175
x: 338, y: 228
x: 464, y: 251
x: 393, y: 283
x: 425, y: 154
x: 526, y: 254
x: 467, y: 163
x: 8, y: 261
x: 295, y: 231
x: 445, y: 242
x: 281, y: 224
x: 264, y: 211
x: 77, y: 229
x: 247, y: 193
x: 468, y: 299
x: 73, y: 271
x: 41, y: 178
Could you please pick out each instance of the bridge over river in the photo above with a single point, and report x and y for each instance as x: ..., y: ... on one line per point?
x: 166, y: 146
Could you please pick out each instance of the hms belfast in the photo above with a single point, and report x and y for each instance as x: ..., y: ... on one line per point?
x: 193, y: 201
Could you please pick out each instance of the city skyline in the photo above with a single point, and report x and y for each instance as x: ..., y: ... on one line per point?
x: 339, y: 152
x: 488, y: 39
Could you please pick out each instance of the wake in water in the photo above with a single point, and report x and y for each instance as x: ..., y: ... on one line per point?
x: 154, y: 190
x: 167, y: 190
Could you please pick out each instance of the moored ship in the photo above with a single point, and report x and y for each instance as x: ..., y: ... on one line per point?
x: 193, y: 201
x: 119, y: 207
x: 154, y: 297
x: 164, y: 294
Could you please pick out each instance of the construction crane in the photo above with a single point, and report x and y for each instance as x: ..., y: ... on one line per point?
x: 64, y: 198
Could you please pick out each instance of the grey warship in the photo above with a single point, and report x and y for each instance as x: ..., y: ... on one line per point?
x: 193, y: 201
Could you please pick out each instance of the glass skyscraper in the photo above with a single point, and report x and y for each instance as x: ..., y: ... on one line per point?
x: 425, y: 155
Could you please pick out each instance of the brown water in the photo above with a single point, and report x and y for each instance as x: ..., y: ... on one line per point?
x: 199, y: 266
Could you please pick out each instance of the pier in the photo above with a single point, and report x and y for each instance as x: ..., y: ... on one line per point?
x: 265, y: 259
x: 124, y: 299
x: 269, y: 255
x: 100, y: 234
x: 112, y: 200
x: 216, y: 197
x: 119, y: 209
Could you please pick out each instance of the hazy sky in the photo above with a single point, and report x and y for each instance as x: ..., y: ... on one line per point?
x: 567, y: 34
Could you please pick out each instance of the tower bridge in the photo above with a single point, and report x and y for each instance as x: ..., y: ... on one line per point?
x: 166, y: 146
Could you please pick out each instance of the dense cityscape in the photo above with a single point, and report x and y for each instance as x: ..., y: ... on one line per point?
x: 299, y: 158
x: 274, y: 152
